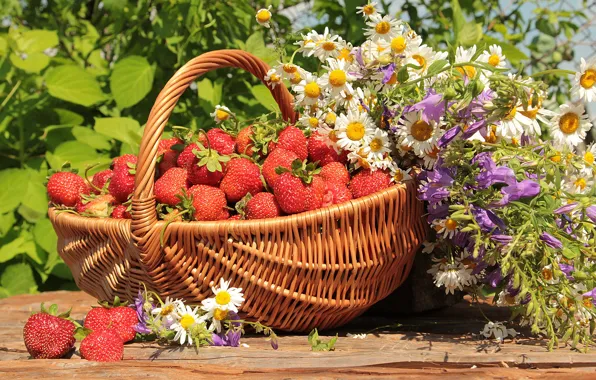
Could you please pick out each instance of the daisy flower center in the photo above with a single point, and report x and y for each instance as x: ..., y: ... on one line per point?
x: 569, y: 123
x: 420, y: 59
x: 398, y: 44
x: 398, y: 176
x: 263, y: 15
x: 166, y: 310
x: 274, y: 78
x: 383, y: 27
x: 220, y: 315
x: 588, y: 302
x: 368, y: 9
x: 421, y: 130
x: 346, y: 55
x: 589, y: 157
x: 223, y: 115
x: 581, y: 183
x: 330, y: 120
x: 223, y: 298
x: 556, y: 158
x: 376, y: 145
x: 511, y: 114
x: 494, y: 60
x: 333, y: 136
x: 296, y: 78
x: 328, y: 46
x: 355, y: 131
x: 547, y: 274
x: 337, y: 78
x: 312, y: 90
x: 313, y: 122
x: 530, y: 114
x: 468, y: 71
x: 289, y: 68
x: 588, y: 78
x: 186, y: 321
x: 450, y: 224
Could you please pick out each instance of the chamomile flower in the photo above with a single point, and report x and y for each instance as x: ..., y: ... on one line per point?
x: 452, y: 275
x: 328, y: 46
x: 263, y: 17
x: 514, y: 123
x: 187, y: 318
x: 353, y: 128
x: 428, y: 246
x: 368, y: 10
x: 290, y: 72
x: 272, y: 78
x: 337, y: 76
x: 415, y: 132
x: 585, y: 81
x: 385, y: 27
x: 221, y: 113
x: 349, y: 98
x: 493, y: 56
x: 534, y: 114
x: 570, y: 125
x: 445, y: 227
x: 345, y: 53
x: 328, y: 135
x: 589, y: 156
x: 400, y: 175
x: 464, y: 56
x: 308, y: 90
x: 359, y: 159
x: 217, y: 316
x: 402, y: 43
x: 377, y: 145
x: 312, y: 121
x: 423, y: 56
x: 548, y: 275
x: 308, y: 43
x: 579, y: 183
x: 372, y: 51
x: 430, y: 159
x: 167, y: 309
x: 226, y: 298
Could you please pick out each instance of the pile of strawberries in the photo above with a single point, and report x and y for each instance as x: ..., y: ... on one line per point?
x: 252, y: 174
x: 49, y: 335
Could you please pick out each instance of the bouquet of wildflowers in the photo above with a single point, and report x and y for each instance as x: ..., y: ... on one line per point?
x: 508, y: 182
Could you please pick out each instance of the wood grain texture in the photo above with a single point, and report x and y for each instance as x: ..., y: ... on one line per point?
x: 315, y: 269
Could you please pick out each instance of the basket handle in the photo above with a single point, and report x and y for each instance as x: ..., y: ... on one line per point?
x: 144, y: 214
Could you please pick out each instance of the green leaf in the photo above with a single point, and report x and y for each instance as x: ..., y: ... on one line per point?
x: 570, y: 252
x: 74, y: 84
x: 11, y: 249
x: 131, y: 80
x: 7, y: 220
x: 263, y: 95
x: 255, y: 44
x: 513, y: 54
x: 30, y: 63
x: 67, y: 117
x: 18, y: 279
x: 35, y: 200
x: 317, y: 344
x: 458, y: 18
x: 470, y: 34
x: 78, y: 154
x: 91, y: 138
x: 36, y: 41
x: 436, y: 66
x: 45, y: 236
x: 123, y: 129
x: 13, y: 186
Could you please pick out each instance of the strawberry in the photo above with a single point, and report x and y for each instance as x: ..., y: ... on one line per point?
x: 121, y: 319
x: 124, y: 160
x: 366, y: 182
x: 244, y: 143
x: 200, y: 175
x: 242, y: 176
x: 99, y: 206
x: 293, y: 139
x: 235, y: 217
x: 49, y: 336
x: 209, y: 203
x: 316, y: 193
x: 291, y: 193
x: 319, y: 151
x: 262, y: 206
x: 121, y: 212
x: 207, y: 168
x: 170, y: 186
x: 335, y: 172
x: 336, y: 193
x: 102, y: 346
x: 187, y: 156
x: 166, y: 156
x: 100, y: 180
x: 66, y: 188
x: 219, y: 140
x: 122, y: 183
x: 279, y: 157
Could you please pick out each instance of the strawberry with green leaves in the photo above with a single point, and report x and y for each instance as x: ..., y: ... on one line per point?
x: 49, y: 335
x: 300, y: 189
x: 100, y: 181
x: 66, y: 188
x: 122, y: 183
x: 261, y: 206
x: 207, y: 167
x: 96, y: 206
x: 280, y: 157
x: 219, y: 140
x: 118, y: 317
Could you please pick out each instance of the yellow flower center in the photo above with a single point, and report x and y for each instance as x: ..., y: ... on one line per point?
x: 346, y: 55
x: 398, y: 176
x: 581, y: 183
x: 569, y: 123
x: 313, y: 122
x: 333, y: 136
x: 491, y: 138
x: 588, y: 302
x: 392, y: 80
x: 289, y: 68
x: 337, y: 78
x: 274, y: 78
x: 450, y: 224
x: 511, y: 114
x: 296, y: 78
x: 221, y: 114
x: 355, y: 131
x: 494, y: 60
x: 556, y: 158
x: 330, y: 119
x: 220, y: 315
x: 589, y: 157
x: 166, y: 310
x: 383, y: 27
x: 186, y: 321
x: 530, y: 114
x: 398, y: 44
x: 263, y: 15
x: 421, y: 130
x: 547, y: 274
x: 312, y: 90
x: 376, y: 145
x: 223, y: 298
x: 328, y: 45
x: 421, y: 60
x: 468, y: 71
x: 588, y: 78
x: 368, y: 9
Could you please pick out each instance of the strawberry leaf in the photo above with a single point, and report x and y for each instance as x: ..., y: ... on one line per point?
x: 81, y: 333
x: 53, y: 309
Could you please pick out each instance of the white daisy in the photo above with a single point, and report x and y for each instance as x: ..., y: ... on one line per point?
x: 272, y: 78
x: 463, y: 56
x: 429, y: 247
x: 217, y: 316
x: 385, y: 27
x: 445, y: 227
x: 349, y: 98
x: 368, y: 10
x: 187, y: 318
x: 328, y: 46
x: 493, y: 56
x: 372, y: 51
x: 570, y: 125
x: 226, y: 298
x: 263, y: 16
x: 221, y: 113
x: 399, y: 175
x: 579, y: 183
x: 417, y: 133
x: 328, y: 135
x: 359, y: 159
x: 308, y: 43
x: 585, y: 81
x: 376, y: 146
x: 589, y: 156
x: 308, y: 90
x: 514, y: 123
x: 289, y: 71
x: 352, y: 129
x: 430, y: 159
x: 534, y: 114
x: 167, y: 309
x: 402, y: 43
x: 337, y: 76
x: 452, y: 275
x: 548, y: 275
x: 423, y: 56
x: 312, y: 121
x: 498, y: 331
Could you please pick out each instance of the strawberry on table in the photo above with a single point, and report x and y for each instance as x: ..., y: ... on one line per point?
x: 242, y: 177
x: 47, y: 335
x: 66, y: 188
x: 102, y: 346
x: 121, y: 319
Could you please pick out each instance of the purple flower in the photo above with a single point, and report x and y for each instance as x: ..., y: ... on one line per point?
x: 484, y: 160
x: 388, y: 72
x: 551, y: 241
x: 566, y: 209
x: 473, y: 128
x: 487, y: 220
x: 357, y: 52
x: 591, y: 294
x: 229, y: 339
x: 501, y: 239
x: 526, y: 299
x: 495, y: 277
x: 591, y: 213
x: 432, y: 107
x: 274, y: 342
x: 567, y: 269
x: 449, y: 136
x: 460, y: 239
x: 511, y: 290
x: 139, y: 302
x: 437, y: 211
x: 495, y: 174
x: 435, y: 190
x: 524, y: 189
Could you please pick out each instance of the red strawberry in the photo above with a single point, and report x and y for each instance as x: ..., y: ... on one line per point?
x: 219, y: 140
x: 293, y: 139
x: 200, y: 175
x: 122, y: 183
x: 244, y: 143
x: 319, y: 151
x: 121, y: 212
x: 207, y: 167
x: 335, y: 172
x: 166, y: 156
x: 125, y: 160
x: 100, y: 179
x: 279, y: 157
x: 336, y: 193
x: 366, y: 182
x: 102, y: 346
x: 316, y: 194
x: 236, y: 217
x: 186, y: 157
x: 48, y: 336
x: 121, y: 319
x: 291, y: 193
x: 171, y: 186
x: 242, y: 176
x: 209, y: 203
x: 99, y: 206
x: 66, y: 188
x: 262, y: 206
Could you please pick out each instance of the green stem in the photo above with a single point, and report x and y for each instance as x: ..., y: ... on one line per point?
x: 552, y: 71
x: 10, y: 94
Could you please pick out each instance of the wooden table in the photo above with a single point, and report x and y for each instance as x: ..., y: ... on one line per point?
x: 426, y: 346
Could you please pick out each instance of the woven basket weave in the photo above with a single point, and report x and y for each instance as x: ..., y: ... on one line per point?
x: 316, y: 269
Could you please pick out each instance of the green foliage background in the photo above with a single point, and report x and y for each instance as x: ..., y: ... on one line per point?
x: 78, y: 79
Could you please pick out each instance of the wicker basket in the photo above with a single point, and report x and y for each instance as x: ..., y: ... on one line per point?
x: 316, y: 269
